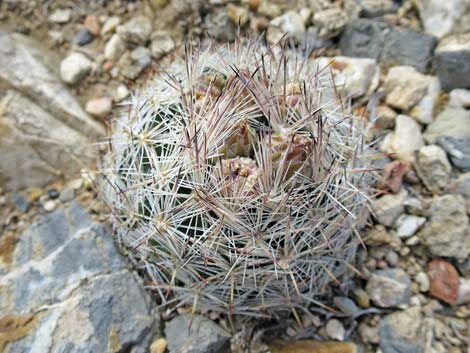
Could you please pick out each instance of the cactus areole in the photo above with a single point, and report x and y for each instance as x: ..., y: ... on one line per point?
x: 237, y: 177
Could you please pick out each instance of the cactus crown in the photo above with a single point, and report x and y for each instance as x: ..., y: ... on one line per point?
x: 236, y: 175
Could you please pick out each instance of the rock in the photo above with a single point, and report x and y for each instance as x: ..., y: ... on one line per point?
x: 122, y: 92
x: 92, y: 25
x: 61, y: 16
x: 114, y: 48
x: 158, y: 346
x: 393, y: 174
x: 330, y: 21
x: 136, y: 31
x: 74, y: 67
x: 444, y: 281
x: 220, y: 26
x: 368, y: 334
x: 141, y: 57
x: 453, y: 61
x: 405, y: 140
x: 83, y: 37
x: 388, y: 45
x: 375, y: 8
x: 194, y: 334
x: 36, y: 148
x: 71, y: 281
x: 33, y: 70
x: 423, y: 112
x: 464, y: 291
x: 133, y: 63
x: 404, y: 87
x: 451, y: 130
x: 362, y: 298
x: 99, y: 107
x: 290, y: 23
x: 433, y: 168
x: 345, y: 305
x: 423, y: 282
x: 238, y: 14
x: 49, y: 206
x: 162, y: 44
x: 355, y: 77
x: 389, y: 207
x: 407, y: 225
x: 391, y: 257
x: 459, y: 98
x: 335, y: 330
x: 310, y: 346
x: 110, y: 25
x: 447, y: 231
x: 462, y: 186
x: 405, y: 332
x: 389, y: 288
x: 441, y: 18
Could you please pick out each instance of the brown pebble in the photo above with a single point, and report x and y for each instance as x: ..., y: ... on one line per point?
x: 444, y: 280
x: 92, y: 25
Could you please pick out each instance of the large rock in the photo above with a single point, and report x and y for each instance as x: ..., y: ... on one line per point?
x: 388, y: 45
x: 405, y: 332
x: 447, y: 233
x: 194, y: 334
x: 32, y: 70
x: 453, y: 61
x: 389, y: 288
x: 67, y: 289
x: 451, y: 130
x: 35, y: 147
x: 441, y: 18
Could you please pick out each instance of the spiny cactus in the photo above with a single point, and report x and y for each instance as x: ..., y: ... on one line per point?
x: 237, y: 178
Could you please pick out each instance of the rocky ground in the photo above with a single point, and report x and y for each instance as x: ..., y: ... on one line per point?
x: 65, y: 66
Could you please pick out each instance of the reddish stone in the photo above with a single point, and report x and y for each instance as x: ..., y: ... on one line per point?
x: 444, y: 280
x: 108, y: 65
x: 393, y: 174
x: 92, y: 25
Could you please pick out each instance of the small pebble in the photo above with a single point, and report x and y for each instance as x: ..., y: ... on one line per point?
x: 61, y: 16
x: 158, y: 346
x: 53, y: 193
x: 74, y: 67
x: 335, y: 330
x: 49, y: 206
x: 392, y: 258
x: 99, y: 107
x: 83, y: 37
x: 362, y: 298
x: 3, y: 200
x: 92, y: 25
x: 110, y: 25
x: 422, y: 280
x: 122, y: 92
x: 346, y: 305
x: 21, y: 203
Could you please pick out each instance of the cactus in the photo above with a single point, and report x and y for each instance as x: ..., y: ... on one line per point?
x: 238, y: 179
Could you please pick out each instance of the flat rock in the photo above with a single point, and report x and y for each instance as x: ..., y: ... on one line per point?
x: 194, y: 334
x: 388, y: 45
x: 405, y: 332
x: 389, y: 288
x: 70, y: 283
x: 23, y: 66
x: 433, y: 168
x: 451, y: 130
x: 37, y: 148
x: 447, y: 233
x: 404, y: 140
x: 453, y: 61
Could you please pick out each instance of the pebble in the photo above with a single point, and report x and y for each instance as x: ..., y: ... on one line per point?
x: 404, y: 140
x: 53, y: 193
x: 407, y: 225
x: 162, y: 44
x: 219, y: 26
x: 136, y: 31
x: 49, y: 206
x: 433, y: 168
x: 393, y: 174
x: 389, y: 207
x: 335, y: 330
x: 369, y: 334
x: 114, y: 48
x: 423, y: 282
x: 444, y: 281
x: 83, y: 37
x: 464, y: 291
x: 462, y: 186
x: 158, y: 346
x: 330, y: 21
x: 22, y: 204
x: 122, y: 92
x: 362, y: 298
x: 452, y: 58
x: 405, y: 87
x: 74, y: 68
x: 67, y: 194
x: 345, y: 305
x: 92, y: 24
x: 389, y: 288
x: 61, y: 16
x: 392, y: 258
x: 99, y: 107
x: 238, y: 14
x: 141, y: 57
x: 110, y: 25
x: 459, y: 98
x: 290, y: 22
